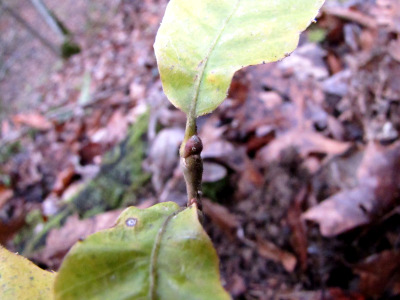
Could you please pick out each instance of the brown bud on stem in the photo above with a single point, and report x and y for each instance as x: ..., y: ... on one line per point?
x: 192, y: 166
x: 193, y: 146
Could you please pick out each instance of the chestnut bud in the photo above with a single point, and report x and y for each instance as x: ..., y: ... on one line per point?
x: 193, y: 146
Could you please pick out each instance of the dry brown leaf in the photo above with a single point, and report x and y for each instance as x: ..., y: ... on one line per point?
x: 334, y: 63
x: 163, y: 156
x: 250, y: 179
x: 298, y: 238
x: 387, y: 13
x: 5, y: 195
x: 236, y: 286
x: 137, y: 91
x: 174, y: 189
x: 351, y: 15
x: 10, y: 225
x: 343, y: 211
x: 210, y: 131
x: 380, y: 273
x: 34, y: 120
x: 5, y: 128
x: 270, y: 251
x: 305, y: 142
x: 59, y: 241
x: 217, y: 149
x: 213, y: 172
x: 89, y: 151
x: 220, y: 216
x: 375, y: 194
x: 306, y: 62
x: 71, y: 131
x: 329, y: 294
x: 63, y: 179
x: 394, y: 49
x: 115, y: 130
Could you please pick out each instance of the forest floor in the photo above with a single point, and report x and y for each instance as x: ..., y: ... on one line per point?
x: 301, y: 183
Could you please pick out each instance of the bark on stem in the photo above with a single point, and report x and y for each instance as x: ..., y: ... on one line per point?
x: 191, y: 162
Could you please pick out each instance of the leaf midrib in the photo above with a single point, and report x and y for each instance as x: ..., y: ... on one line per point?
x: 154, y: 254
x: 193, y: 106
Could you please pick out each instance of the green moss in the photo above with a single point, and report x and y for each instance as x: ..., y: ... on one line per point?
x: 29, y: 242
x: 32, y: 219
x: 121, y: 176
x: 69, y: 48
x: 119, y: 181
x: 217, y: 191
x: 9, y: 150
x: 316, y: 34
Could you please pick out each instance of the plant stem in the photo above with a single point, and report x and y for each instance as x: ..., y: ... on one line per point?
x: 191, y: 162
x: 191, y: 129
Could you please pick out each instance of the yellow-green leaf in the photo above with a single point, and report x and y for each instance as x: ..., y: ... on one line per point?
x: 21, y: 279
x: 157, y: 253
x: 202, y: 43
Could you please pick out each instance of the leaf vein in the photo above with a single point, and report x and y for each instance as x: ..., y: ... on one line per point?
x: 154, y: 255
x: 193, y: 106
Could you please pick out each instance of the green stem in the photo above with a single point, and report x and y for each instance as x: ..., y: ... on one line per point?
x: 191, y: 130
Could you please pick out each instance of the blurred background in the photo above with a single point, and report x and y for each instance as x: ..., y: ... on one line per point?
x: 301, y: 181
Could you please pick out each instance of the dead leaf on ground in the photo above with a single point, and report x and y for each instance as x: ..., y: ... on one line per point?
x: 220, y: 216
x: 59, y: 241
x: 26, y: 169
x: 33, y: 120
x: 250, y: 179
x: 63, y: 180
x: 11, y: 224
x: 352, y: 15
x: 236, y: 286
x: 270, y: 251
x: 5, y: 195
x: 115, y: 131
x: 163, y: 156
x: 89, y: 151
x: 307, y: 61
x: 298, y: 238
x: 213, y: 172
x: 376, y: 193
x: 210, y: 131
x: 220, y: 150
x: 305, y: 142
x: 71, y: 131
x: 329, y: 294
x: 394, y: 49
x: 174, y: 189
x: 387, y: 13
x: 380, y: 273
